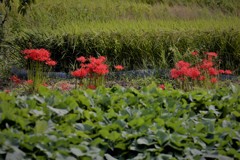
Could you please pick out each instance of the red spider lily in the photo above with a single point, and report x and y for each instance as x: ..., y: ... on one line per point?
x: 211, y: 54
x: 195, y: 53
x: 212, y: 71
x: 102, y: 59
x: 51, y: 63
x: 181, y: 64
x: 206, y: 64
x: 37, y: 54
x: 80, y: 73
x: 221, y: 71
x: 184, y: 71
x: 175, y: 73
x: 15, y: 79
x: 92, y: 86
x: 81, y: 59
x: 194, y: 73
x: 162, y: 86
x: 29, y: 81
x: 119, y: 67
x: 214, y: 80
x: 97, y: 61
x: 228, y: 72
x: 101, y: 69
x: 96, y: 65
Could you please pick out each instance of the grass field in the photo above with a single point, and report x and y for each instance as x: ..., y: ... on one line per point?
x: 118, y: 28
x: 96, y: 15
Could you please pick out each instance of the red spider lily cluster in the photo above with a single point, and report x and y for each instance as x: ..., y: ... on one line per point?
x: 205, y: 70
x: 41, y: 55
x: 38, y: 58
x: 93, y: 68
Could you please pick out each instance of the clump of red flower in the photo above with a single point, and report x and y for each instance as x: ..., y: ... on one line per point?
x: 183, y: 70
x: 41, y: 55
x: 93, y: 69
x: 80, y: 73
x: 203, y: 71
x: 91, y: 66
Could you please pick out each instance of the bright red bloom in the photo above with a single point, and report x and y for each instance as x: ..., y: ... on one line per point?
x: 194, y: 73
x: 15, y: 79
x: 102, y: 59
x: 37, y: 54
x: 206, y: 64
x: 175, y: 73
x: 162, y: 86
x: 97, y: 61
x: 212, y: 71
x: 81, y: 59
x: 51, y: 63
x: 221, y: 71
x: 228, y: 72
x: 97, y: 66
x: 181, y: 64
x: 119, y: 67
x: 211, y: 54
x: 80, y: 73
x: 92, y: 87
x: 213, y: 80
x: 184, y: 71
x: 101, y: 69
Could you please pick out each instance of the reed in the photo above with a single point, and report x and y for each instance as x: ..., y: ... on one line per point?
x: 135, y: 33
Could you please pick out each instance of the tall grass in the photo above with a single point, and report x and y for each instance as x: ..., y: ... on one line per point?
x: 136, y: 49
x: 57, y: 13
x: 135, y: 33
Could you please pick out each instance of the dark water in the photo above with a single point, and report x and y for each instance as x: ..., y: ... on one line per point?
x: 162, y: 73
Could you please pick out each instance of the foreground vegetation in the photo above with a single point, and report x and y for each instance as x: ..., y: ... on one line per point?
x: 121, y: 123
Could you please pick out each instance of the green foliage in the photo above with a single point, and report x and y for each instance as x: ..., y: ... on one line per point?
x: 121, y: 123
